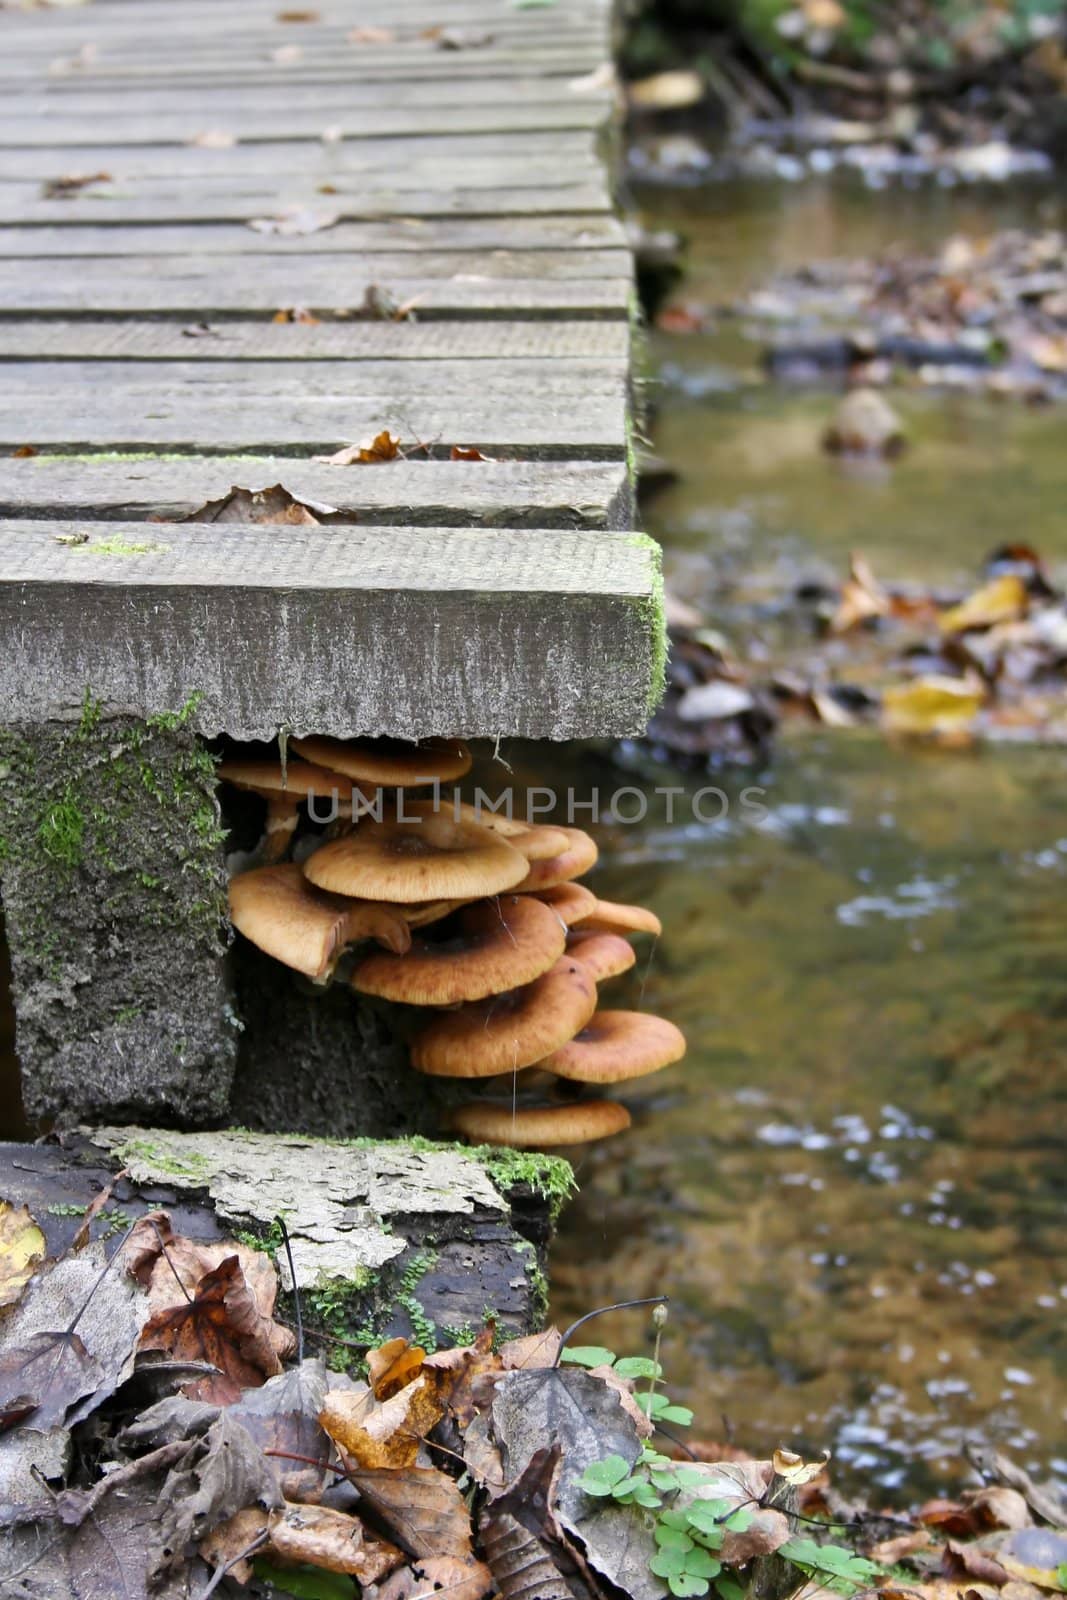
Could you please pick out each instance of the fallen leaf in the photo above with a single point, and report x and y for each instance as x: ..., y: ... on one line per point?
x: 70, y: 1340
x: 369, y: 35
x: 297, y: 16
x: 213, y: 139
x: 971, y: 1561
x: 332, y: 1540
x: 282, y: 1417
x: 459, y: 453
x: 682, y: 319
x: 421, y: 1508
x: 520, y: 1562
x: 794, y: 1469
x: 295, y: 222
x: 862, y: 598
x: 532, y: 1351
x: 296, y: 314
x: 22, y: 1249
x: 274, y: 506
x: 393, y: 1365
x: 1003, y: 600
x: 468, y: 1579
x: 383, y: 447
x: 574, y: 1409
x: 382, y: 1434
x: 221, y: 1474
x: 93, y: 1210
x: 931, y: 705
x: 667, y: 91
x: 229, y: 1545
x: 462, y: 38
x: 71, y: 184
x: 24, y: 452
x: 223, y: 1325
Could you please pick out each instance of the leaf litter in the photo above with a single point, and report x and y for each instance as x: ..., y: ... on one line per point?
x: 515, y: 1469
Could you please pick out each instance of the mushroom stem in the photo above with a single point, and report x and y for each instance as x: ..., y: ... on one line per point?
x: 282, y: 814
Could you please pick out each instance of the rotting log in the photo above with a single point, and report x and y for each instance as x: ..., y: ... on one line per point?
x: 401, y: 1237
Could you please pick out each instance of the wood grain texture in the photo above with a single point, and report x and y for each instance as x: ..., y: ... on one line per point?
x: 343, y: 630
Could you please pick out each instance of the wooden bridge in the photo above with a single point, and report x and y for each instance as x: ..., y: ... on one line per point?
x: 236, y: 237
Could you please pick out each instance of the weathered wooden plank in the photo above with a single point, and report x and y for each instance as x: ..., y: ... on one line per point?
x: 152, y: 283
x: 411, y: 163
x: 344, y: 631
x: 388, y: 235
x: 574, y: 59
x: 214, y: 373
x: 192, y: 419
x: 232, y: 102
x: 360, y: 121
x: 536, y: 494
x: 539, y: 338
x: 58, y: 294
x: 363, y: 203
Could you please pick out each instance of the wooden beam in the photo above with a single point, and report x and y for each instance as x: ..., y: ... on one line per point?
x: 343, y: 631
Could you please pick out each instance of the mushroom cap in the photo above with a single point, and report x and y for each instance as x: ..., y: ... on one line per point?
x: 536, y: 1127
x: 615, y: 1046
x: 579, y: 856
x: 611, y: 917
x: 572, y: 902
x: 296, y: 778
x: 392, y: 763
x: 605, y: 954
x: 421, y: 913
x: 280, y: 912
x: 508, y: 1031
x: 495, y: 945
x: 428, y: 857
x: 537, y: 843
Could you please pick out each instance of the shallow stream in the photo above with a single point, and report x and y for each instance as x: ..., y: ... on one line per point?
x: 853, y: 1189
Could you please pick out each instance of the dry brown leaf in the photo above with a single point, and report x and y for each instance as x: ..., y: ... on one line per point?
x: 299, y: 314
x: 794, y: 1469
x: 459, y: 452
x: 170, y: 1267
x: 520, y: 1562
x: 534, y: 1350
x: 458, y: 1375
x: 420, y: 1507
x: 93, y: 1210
x: 383, y: 447
x: 24, y: 452
x: 225, y: 1545
x: 971, y: 1561
x: 862, y: 597
x: 890, y: 1551
x: 468, y: 1579
x: 332, y: 1540
x: 297, y: 16
x: 624, y: 1388
x: 382, y: 1434
x: 1005, y: 599
x: 932, y: 705
x: 222, y: 1325
x: 71, y: 184
x: 274, y: 505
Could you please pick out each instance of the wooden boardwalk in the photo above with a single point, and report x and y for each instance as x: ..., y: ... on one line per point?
x: 238, y: 236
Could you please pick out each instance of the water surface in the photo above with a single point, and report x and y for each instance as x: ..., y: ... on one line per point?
x: 853, y: 1189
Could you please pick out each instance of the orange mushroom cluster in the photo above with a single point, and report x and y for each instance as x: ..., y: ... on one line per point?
x: 470, y: 914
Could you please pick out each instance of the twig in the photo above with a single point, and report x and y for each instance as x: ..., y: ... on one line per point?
x: 296, y: 1288
x: 261, y: 1538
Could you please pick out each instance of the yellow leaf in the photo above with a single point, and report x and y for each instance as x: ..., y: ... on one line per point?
x: 931, y: 705
x: 1003, y: 600
x: 22, y: 1249
x: 382, y: 1434
x: 794, y: 1469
